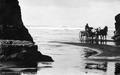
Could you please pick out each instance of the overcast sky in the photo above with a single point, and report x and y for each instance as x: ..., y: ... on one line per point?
x: 70, y: 13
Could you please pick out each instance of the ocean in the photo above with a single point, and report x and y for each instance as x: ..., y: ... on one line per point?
x: 42, y: 35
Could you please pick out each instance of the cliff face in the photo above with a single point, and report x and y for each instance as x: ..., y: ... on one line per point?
x: 11, y: 25
x: 13, y: 29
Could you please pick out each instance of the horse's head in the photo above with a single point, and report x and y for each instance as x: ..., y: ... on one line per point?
x: 106, y: 28
x: 117, y: 18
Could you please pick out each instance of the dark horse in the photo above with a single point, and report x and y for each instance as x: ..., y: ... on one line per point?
x: 102, y: 33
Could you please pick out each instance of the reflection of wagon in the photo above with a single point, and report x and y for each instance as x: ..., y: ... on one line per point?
x: 98, y: 66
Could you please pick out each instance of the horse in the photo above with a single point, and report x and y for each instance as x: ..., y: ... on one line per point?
x: 103, y: 33
x: 91, y: 35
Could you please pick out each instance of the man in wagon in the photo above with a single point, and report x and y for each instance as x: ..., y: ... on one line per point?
x: 87, y: 28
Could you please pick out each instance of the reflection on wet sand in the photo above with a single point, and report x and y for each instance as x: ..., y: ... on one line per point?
x: 19, y: 71
x: 15, y: 69
x: 110, y: 68
x: 69, y: 60
x: 10, y: 73
x: 97, y: 66
x: 117, y: 68
x: 32, y: 69
x: 90, y: 67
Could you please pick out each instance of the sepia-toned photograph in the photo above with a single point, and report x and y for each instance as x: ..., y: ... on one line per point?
x: 59, y: 37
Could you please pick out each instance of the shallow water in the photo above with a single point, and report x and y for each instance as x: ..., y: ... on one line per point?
x: 69, y: 59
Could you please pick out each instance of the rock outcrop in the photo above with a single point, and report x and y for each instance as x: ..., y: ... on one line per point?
x: 116, y: 36
x: 21, y: 51
x: 11, y: 25
x: 13, y: 31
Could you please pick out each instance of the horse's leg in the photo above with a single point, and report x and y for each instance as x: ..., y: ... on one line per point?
x: 92, y: 39
x: 97, y: 40
x: 101, y: 38
x: 105, y: 39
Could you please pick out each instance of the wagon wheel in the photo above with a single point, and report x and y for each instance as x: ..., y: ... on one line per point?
x: 82, y: 36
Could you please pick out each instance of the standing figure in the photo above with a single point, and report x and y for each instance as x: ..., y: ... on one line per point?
x: 86, y: 27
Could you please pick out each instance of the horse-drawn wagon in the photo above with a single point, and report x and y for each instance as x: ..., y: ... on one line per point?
x: 93, y: 35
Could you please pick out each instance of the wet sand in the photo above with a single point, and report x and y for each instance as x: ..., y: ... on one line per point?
x: 106, y: 50
x: 71, y: 58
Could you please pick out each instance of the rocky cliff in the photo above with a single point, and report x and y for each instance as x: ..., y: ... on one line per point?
x: 11, y: 25
x: 16, y: 43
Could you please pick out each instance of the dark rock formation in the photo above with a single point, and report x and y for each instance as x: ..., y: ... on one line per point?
x: 116, y: 36
x: 21, y: 52
x: 12, y: 29
x: 11, y: 25
x: 117, y: 24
